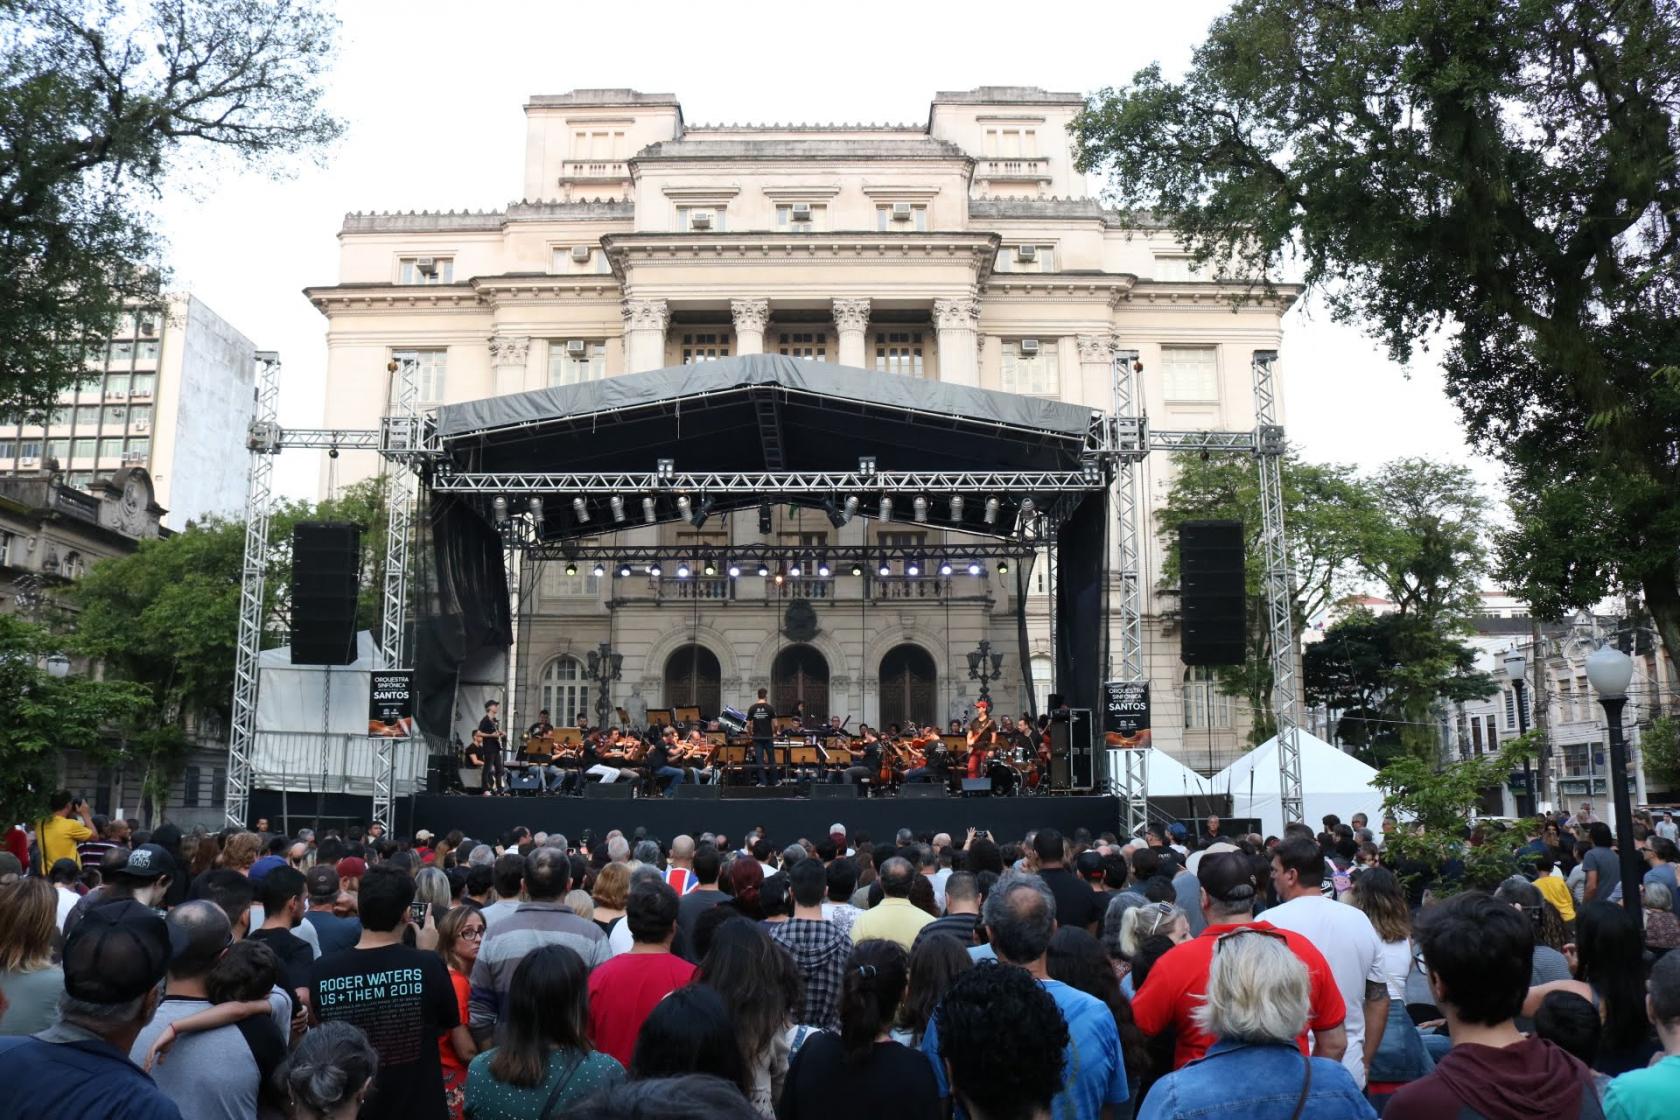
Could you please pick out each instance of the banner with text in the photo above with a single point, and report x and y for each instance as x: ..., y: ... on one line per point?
x: 391, y: 703
x: 1126, y: 713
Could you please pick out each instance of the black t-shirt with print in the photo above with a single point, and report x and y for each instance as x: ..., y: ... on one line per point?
x: 762, y: 717
x: 402, y: 999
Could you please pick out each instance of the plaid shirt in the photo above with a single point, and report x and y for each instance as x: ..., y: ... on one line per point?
x: 820, y: 951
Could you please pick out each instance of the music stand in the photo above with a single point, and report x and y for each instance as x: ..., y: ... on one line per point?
x: 569, y: 736
x: 686, y: 716
x: 659, y: 717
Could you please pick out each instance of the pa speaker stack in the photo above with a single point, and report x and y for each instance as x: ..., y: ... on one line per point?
x: 326, y: 572
x: 1213, y: 593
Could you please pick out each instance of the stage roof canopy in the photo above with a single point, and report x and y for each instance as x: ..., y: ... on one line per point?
x: 764, y: 412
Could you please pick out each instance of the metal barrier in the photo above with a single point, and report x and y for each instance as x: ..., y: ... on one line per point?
x: 310, y: 762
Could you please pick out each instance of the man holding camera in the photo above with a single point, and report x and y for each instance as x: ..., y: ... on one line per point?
x: 71, y: 822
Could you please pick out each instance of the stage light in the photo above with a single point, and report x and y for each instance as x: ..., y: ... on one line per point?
x: 780, y: 576
x: 571, y: 569
x: 1003, y: 567
x: 683, y: 570
x: 624, y: 568
x: 734, y: 569
x: 866, y: 465
x: 616, y: 502
x: 763, y: 569
x: 665, y: 469
x: 913, y: 566
x: 886, y: 507
x: 851, y: 507
x: 499, y: 508
x: 945, y: 567
x: 835, y: 517
x: 919, y: 506
x: 764, y: 522
x: 974, y: 568
x: 683, y: 507
x: 1027, y: 510
x: 1090, y: 471
x: 705, y: 511
x: 957, y: 508
x: 885, y: 569
x: 794, y: 568
x: 536, y: 507
x: 991, y: 511
x: 655, y: 570
x: 857, y: 568
x: 599, y: 570
x: 823, y: 570
x: 650, y: 514
x: 581, y: 509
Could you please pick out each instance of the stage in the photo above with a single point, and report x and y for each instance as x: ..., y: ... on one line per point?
x: 786, y: 819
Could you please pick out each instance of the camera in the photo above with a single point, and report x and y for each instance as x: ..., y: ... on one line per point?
x: 982, y: 834
x: 417, y: 911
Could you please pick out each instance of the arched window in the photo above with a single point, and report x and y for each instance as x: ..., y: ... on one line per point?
x: 1206, y: 706
x: 694, y: 679
x: 909, y: 687
x: 800, y: 673
x: 565, y: 692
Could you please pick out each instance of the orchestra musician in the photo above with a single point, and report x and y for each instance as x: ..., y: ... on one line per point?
x: 660, y: 757
x: 982, y: 736
x: 867, y: 763
x: 489, y: 740
x: 599, y: 755
x: 935, y: 766
x: 696, y: 755
x: 761, y: 722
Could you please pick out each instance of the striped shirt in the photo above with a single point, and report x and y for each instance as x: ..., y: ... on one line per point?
x: 532, y: 926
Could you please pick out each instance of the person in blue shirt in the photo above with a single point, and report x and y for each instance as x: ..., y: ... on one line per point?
x: 78, y: 1069
x: 1020, y: 918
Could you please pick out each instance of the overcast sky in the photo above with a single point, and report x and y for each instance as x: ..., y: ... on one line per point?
x: 432, y: 91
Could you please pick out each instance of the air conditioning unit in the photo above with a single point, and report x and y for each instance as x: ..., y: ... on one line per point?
x: 134, y: 457
x: 426, y: 266
x: 142, y: 394
x: 901, y: 212
x: 700, y: 219
x: 1026, y: 252
x: 580, y: 254
x: 801, y: 211
x: 148, y: 327
x: 27, y: 461
x: 577, y: 348
x: 116, y: 395
x: 1029, y: 347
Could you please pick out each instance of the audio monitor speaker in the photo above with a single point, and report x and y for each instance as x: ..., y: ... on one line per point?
x: 834, y: 791
x: 1212, y: 593
x: 697, y: 791
x: 609, y: 791
x: 925, y: 791
x: 1082, y: 762
x: 326, y: 570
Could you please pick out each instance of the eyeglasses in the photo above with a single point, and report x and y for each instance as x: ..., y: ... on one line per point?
x: 1417, y: 959
x: 1219, y: 942
x: 475, y: 933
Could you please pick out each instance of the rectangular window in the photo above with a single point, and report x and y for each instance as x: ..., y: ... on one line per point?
x: 1206, y: 705
x: 116, y: 415
x: 567, y: 365
x: 899, y: 352
x: 800, y: 217
x: 1177, y: 269
x: 556, y: 584
x: 190, y: 783
x: 700, y: 219
x: 429, y: 373
x: 116, y: 386
x: 140, y: 418
x: 58, y: 449
x: 110, y: 448
x: 87, y: 416
x: 1006, y: 143
x: 1189, y: 373
x: 139, y: 447
x: 899, y: 539
x: 143, y: 383
x: 218, y: 788
x: 29, y: 449
x: 886, y: 218
x: 95, y: 354
x: 81, y: 480
x: 122, y: 353
x: 86, y: 448
x: 8, y: 449
x: 1026, y: 258
x: 425, y: 270
x: 810, y: 345
x: 1031, y: 371
x: 146, y: 351
x: 697, y: 348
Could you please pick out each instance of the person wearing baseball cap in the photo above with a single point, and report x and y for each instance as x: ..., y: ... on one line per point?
x: 332, y: 931
x: 1177, y: 984
x: 78, y: 1069
x: 143, y: 876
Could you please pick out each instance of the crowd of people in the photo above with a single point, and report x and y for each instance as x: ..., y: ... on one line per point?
x: 534, y: 976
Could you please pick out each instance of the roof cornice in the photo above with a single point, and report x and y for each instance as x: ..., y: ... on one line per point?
x: 625, y: 249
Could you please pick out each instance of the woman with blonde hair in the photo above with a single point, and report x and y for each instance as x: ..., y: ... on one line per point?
x: 241, y: 851
x: 611, y: 891
x: 1139, y: 924
x: 30, y: 982
x: 1257, y: 1001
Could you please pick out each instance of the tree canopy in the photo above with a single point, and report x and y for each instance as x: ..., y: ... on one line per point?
x: 99, y: 103
x: 1498, y: 171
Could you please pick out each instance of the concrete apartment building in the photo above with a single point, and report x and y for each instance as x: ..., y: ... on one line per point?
x: 170, y: 391
x: 964, y: 249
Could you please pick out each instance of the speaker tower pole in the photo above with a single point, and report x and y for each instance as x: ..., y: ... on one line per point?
x: 1129, y: 773
x: 400, y: 438
x: 1280, y: 585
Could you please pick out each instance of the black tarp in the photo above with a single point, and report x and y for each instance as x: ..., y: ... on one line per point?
x: 462, y: 617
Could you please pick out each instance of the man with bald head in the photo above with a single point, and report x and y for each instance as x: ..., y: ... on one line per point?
x: 895, y: 919
x: 679, y: 866
x: 543, y: 919
x: 214, y: 1073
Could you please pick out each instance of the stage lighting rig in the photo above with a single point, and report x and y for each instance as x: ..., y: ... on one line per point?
x: 886, y: 507
x: 832, y: 510
x: 707, y: 504
x: 665, y: 471
x: 536, y: 507
x: 866, y: 466
x: 650, y: 513
x: 581, y: 509
x: 957, y: 508
x: 624, y: 568
x: 991, y: 511
x: 655, y: 570
x: 920, y: 509
x: 945, y: 568
x: 499, y: 508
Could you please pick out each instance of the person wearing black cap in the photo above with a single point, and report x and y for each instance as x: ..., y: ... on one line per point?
x: 79, y: 1069
x: 144, y: 876
x: 1178, y: 982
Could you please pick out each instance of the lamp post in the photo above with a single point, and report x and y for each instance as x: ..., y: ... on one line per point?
x: 1516, y: 671
x: 1610, y: 670
x: 984, y: 666
x: 58, y: 665
x: 605, y: 666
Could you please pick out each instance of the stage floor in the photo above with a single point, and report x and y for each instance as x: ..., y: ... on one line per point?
x: 785, y: 819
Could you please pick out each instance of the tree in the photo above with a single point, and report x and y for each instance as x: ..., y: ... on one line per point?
x: 1429, y: 556
x: 1438, y: 808
x: 41, y: 715
x: 1504, y: 170
x: 1659, y: 745
x: 98, y: 105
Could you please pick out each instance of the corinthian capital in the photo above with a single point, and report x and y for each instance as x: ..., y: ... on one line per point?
x: 1097, y: 347
x: 509, y: 350
x: 851, y: 314
x: 956, y: 314
x: 645, y: 314
x: 750, y: 314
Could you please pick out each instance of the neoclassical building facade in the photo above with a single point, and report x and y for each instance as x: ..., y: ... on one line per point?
x: 966, y: 249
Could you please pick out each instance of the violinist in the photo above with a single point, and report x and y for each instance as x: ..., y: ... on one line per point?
x: 866, y: 763
x: 542, y: 729
x: 982, y: 738
x: 660, y: 759
x: 599, y: 756
x: 934, y: 763
x: 696, y: 755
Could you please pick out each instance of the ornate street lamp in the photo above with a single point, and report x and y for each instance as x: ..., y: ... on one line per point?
x: 1516, y: 671
x: 984, y: 666
x: 1610, y: 670
x: 604, y: 667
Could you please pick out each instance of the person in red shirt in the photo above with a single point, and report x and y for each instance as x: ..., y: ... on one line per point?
x: 625, y: 989
x: 1177, y: 983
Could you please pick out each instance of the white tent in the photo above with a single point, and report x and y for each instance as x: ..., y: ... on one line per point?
x: 1332, y: 781
x: 1169, y: 777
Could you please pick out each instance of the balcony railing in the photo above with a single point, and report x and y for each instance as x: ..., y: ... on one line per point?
x: 1023, y: 167
x: 922, y: 588
x: 690, y: 589
x: 593, y: 169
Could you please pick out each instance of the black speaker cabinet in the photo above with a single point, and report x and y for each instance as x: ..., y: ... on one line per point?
x: 326, y: 570
x: 977, y: 787
x: 926, y: 791
x: 1061, y: 745
x: 1082, y: 763
x: 834, y: 791
x: 609, y: 791
x: 696, y: 791
x: 524, y: 781
x: 1212, y: 593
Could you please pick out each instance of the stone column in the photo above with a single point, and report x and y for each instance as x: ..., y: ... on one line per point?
x: 958, y: 322
x: 851, y: 319
x: 507, y: 363
x: 1096, y: 385
x: 751, y: 316
x: 644, y: 334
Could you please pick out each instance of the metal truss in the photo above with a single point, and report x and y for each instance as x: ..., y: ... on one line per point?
x: 329, y: 439
x: 1129, y: 774
x: 258, y: 489
x: 763, y: 483
x: 1202, y: 441
x: 1279, y: 579
x: 837, y: 556
x: 399, y: 437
